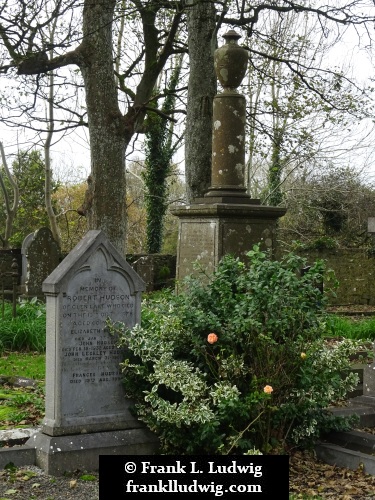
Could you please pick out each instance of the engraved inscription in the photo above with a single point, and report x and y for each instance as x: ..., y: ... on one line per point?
x: 89, y: 355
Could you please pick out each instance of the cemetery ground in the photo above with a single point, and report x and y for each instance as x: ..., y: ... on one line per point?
x: 24, y: 407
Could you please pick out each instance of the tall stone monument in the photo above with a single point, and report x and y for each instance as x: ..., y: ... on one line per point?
x: 226, y: 220
x: 87, y: 413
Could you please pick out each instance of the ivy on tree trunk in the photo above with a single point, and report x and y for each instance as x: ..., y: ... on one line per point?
x: 159, y: 153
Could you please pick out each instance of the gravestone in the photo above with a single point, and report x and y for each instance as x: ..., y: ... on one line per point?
x: 40, y: 256
x: 25, y: 246
x: 368, y: 396
x: 87, y: 413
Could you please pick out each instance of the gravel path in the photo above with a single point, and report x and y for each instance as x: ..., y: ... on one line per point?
x: 29, y: 483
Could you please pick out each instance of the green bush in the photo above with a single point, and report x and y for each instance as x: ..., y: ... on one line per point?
x: 238, y: 365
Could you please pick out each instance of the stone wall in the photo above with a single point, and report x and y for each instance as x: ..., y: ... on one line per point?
x: 156, y: 270
x: 355, y: 271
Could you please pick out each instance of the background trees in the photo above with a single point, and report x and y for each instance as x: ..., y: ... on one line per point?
x: 10, y: 194
x: 160, y: 148
x: 145, y: 224
x: 329, y: 209
x: 286, y: 56
x: 84, y: 38
x: 114, y: 53
x: 72, y: 226
x: 298, y: 118
x: 28, y: 173
x: 202, y: 32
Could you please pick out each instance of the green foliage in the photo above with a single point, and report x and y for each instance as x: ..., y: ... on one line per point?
x: 159, y: 153
x: 29, y: 173
x: 67, y: 199
x: 324, y: 242
x: 329, y: 210
x: 356, y: 330
x: 28, y: 364
x: 88, y: 477
x: 21, y: 405
x: 27, y: 331
x: 239, y: 363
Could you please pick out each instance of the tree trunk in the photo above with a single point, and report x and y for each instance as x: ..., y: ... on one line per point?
x: 47, y: 160
x: 202, y: 89
x: 107, y: 138
x: 10, y: 211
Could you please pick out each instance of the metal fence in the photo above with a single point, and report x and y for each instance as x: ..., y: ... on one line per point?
x: 9, y: 288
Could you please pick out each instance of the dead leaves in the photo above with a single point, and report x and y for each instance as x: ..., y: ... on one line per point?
x: 30, y: 482
x: 308, y: 476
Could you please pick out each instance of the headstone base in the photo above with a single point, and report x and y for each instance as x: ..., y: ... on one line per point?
x: 57, y: 455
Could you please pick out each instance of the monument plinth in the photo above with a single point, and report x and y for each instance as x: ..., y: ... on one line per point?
x: 226, y: 220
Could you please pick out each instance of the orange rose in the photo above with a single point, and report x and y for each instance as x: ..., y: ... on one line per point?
x: 268, y: 389
x: 212, y: 338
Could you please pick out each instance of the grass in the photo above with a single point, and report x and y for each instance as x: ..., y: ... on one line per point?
x: 21, y: 406
x: 25, y: 364
x: 25, y: 332
x: 363, y: 329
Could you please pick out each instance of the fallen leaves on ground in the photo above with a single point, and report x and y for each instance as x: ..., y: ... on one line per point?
x: 311, y: 477
x: 26, y: 483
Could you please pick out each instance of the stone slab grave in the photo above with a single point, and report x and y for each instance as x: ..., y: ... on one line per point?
x: 87, y: 413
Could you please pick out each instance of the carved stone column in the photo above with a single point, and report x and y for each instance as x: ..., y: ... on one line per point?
x: 229, y: 119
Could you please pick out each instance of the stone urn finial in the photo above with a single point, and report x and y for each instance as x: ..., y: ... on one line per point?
x: 230, y: 62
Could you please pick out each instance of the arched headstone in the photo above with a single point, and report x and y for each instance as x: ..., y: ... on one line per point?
x: 87, y: 413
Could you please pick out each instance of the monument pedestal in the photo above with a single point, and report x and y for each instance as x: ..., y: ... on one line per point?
x: 226, y: 221
x: 208, y: 231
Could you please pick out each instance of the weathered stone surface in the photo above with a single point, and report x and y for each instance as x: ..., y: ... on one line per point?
x: 228, y: 142
x: 87, y: 413
x: 19, y: 456
x: 355, y: 271
x: 7, y: 259
x: 42, y: 256
x: 24, y: 249
x: 207, y: 232
x: 15, y: 381
x: 84, y: 392
x: 226, y: 220
x: 58, y: 454
x: 156, y: 270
